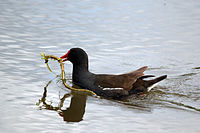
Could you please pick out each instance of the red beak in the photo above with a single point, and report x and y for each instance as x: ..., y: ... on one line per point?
x: 65, y: 57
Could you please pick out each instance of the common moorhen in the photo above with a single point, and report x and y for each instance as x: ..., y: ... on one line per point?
x: 109, y: 86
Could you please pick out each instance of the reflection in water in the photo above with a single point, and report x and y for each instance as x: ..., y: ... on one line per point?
x: 76, y: 110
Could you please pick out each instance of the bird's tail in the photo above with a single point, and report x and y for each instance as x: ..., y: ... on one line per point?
x: 152, y: 83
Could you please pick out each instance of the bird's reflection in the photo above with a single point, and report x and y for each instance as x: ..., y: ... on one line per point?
x: 76, y: 110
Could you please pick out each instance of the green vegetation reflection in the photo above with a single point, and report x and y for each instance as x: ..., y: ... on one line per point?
x: 76, y: 110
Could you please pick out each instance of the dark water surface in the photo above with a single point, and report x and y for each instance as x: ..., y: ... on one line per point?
x: 119, y: 36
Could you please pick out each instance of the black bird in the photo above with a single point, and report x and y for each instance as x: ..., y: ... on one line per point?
x: 108, y: 86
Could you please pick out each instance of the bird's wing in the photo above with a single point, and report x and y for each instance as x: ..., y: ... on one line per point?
x: 123, y: 81
x: 132, y: 77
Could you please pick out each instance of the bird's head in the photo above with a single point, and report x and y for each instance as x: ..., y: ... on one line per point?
x: 75, y: 56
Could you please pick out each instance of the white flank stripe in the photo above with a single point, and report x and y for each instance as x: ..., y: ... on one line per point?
x: 112, y: 88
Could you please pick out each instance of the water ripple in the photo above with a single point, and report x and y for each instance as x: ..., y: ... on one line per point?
x: 119, y: 37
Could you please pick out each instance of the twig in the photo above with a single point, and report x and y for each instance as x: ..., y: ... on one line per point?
x: 47, y: 57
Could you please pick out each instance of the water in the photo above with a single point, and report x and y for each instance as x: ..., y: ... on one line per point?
x: 119, y: 36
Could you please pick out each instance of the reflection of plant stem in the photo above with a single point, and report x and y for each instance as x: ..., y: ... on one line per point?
x: 180, y: 104
x: 62, y: 100
x: 76, y: 110
x: 50, y: 107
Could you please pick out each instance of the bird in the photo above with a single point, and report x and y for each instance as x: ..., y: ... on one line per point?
x: 111, y: 86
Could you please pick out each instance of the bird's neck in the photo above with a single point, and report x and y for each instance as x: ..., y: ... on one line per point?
x: 79, y: 70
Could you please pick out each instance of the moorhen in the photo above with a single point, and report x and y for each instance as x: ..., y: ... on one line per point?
x: 108, y: 86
